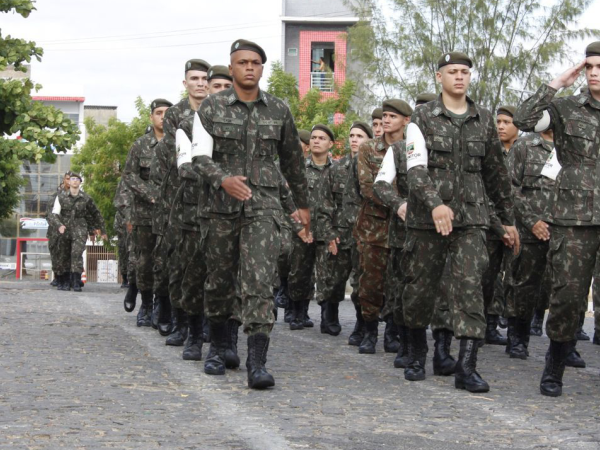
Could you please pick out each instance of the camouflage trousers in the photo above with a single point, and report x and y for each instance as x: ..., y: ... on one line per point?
x: 53, y: 243
x: 130, y: 259
x: 529, y: 282
x: 283, y: 262
x: 69, y: 251
x: 193, y: 264
x: 373, y: 266
x: 165, y: 246
x: 123, y: 249
x: 442, y: 318
x: 246, y: 248
x: 181, y: 251
x: 355, y: 274
x: 144, y: 242
x: 573, y: 258
x: 301, y: 279
x: 426, y: 255
x: 492, y: 281
x: 333, y: 272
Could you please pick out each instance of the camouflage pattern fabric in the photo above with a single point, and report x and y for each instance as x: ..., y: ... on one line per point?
x: 70, y: 254
x: 352, y: 196
x: 185, y: 245
x: 285, y: 251
x: 164, y: 247
x: 194, y: 275
x: 144, y: 242
x: 301, y: 279
x: 123, y: 203
x: 355, y: 274
x: 52, y: 233
x: 496, y: 253
x: 333, y: 272
x: 373, y: 263
x: 131, y: 261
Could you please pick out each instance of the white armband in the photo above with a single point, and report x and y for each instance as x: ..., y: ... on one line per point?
x: 203, y: 143
x: 56, y: 208
x: 416, y: 151
x: 387, y: 171
x: 544, y: 123
x: 552, y: 166
x: 184, y: 148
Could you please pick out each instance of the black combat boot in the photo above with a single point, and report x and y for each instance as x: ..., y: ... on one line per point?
x: 215, y: 360
x: 125, y: 283
x: 511, y: 334
x: 323, y: 324
x: 402, y: 360
x: 308, y: 323
x: 391, y: 342
x: 297, y: 322
x: 502, y: 322
x: 367, y: 346
x: 330, y: 322
x: 145, y: 312
x: 581, y: 335
x: 156, y: 304
x: 537, y: 322
x: 288, y: 311
x: 492, y: 335
x: 466, y: 376
x: 518, y: 346
x: 164, y: 316
x: 205, y: 328
x: 192, y: 350
x: 61, y: 282
x: 258, y: 377
x: 130, y: 297
x: 596, y: 339
x: 67, y: 281
x: 443, y: 362
x: 573, y: 358
x: 76, y: 281
x: 179, y: 328
x: 54, y: 282
x: 551, y: 383
x: 282, y: 298
x: 358, y: 333
x: 417, y: 354
x: 232, y: 360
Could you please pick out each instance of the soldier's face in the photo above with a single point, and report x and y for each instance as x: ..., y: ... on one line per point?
x: 67, y: 181
x: 75, y: 183
x: 454, y: 78
x: 377, y: 126
x: 157, y: 117
x: 320, y: 142
x: 246, y: 68
x: 217, y: 85
x: 196, y: 84
x: 507, y: 132
x: 592, y: 74
x: 393, y: 123
x: 356, y: 138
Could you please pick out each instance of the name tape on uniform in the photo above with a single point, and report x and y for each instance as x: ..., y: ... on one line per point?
x: 184, y: 148
x: 203, y: 143
x: 552, y: 166
x: 416, y: 151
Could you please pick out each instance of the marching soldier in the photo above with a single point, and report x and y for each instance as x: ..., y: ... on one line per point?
x: 304, y: 136
x: 52, y: 233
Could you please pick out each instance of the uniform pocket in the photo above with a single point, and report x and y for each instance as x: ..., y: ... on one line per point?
x: 475, y: 152
x: 269, y: 134
x: 228, y: 134
x: 532, y: 175
x: 581, y: 137
x: 474, y: 192
x: 575, y: 194
x: 444, y: 183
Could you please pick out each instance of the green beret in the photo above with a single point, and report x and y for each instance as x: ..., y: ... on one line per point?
x: 243, y: 44
x: 158, y: 103
x: 197, y: 64
x: 506, y: 110
x: 397, y: 106
x: 377, y: 114
x: 454, y: 58
x: 75, y: 175
x: 363, y: 126
x: 219, y: 72
x: 425, y: 97
x: 593, y: 49
x: 304, y: 136
x: 325, y: 129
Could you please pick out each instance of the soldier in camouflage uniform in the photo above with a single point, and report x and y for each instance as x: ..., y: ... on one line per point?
x: 336, y: 264
x: 454, y: 157
x: 575, y: 213
x: 303, y: 259
x: 52, y: 233
x: 74, y: 214
x: 242, y: 207
x: 372, y: 228
x: 304, y: 136
x: 136, y: 177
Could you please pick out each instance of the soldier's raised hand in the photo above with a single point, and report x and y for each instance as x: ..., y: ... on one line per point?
x: 568, y: 77
x: 236, y: 187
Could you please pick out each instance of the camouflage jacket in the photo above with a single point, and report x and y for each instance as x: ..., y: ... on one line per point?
x: 315, y: 176
x: 122, y: 202
x: 575, y: 121
x: 372, y: 223
x: 136, y: 177
x: 79, y: 214
x: 247, y: 137
x: 496, y: 230
x: 331, y: 216
x: 352, y: 196
x: 52, y: 231
x: 465, y: 162
x: 164, y: 166
x: 532, y: 192
x: 395, y: 198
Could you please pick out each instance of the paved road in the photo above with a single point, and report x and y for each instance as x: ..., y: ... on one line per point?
x: 76, y: 373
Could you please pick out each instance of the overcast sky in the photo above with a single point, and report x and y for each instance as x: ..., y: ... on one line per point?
x: 112, y: 51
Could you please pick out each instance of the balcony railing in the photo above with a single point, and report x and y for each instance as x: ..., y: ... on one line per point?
x: 322, y: 81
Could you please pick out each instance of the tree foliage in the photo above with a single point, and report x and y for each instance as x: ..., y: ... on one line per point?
x: 102, y: 159
x: 315, y: 107
x: 513, y: 43
x: 28, y: 130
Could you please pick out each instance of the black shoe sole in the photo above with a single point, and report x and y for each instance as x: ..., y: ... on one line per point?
x: 191, y: 358
x: 366, y: 351
x: 296, y: 327
x: 517, y: 356
x: 461, y: 385
x: 414, y: 378
x: 550, y: 394
x: 261, y: 384
x: 215, y: 371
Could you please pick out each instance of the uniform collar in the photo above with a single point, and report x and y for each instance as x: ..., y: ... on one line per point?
x: 586, y: 99
x: 233, y: 97
x: 439, y: 108
x: 310, y: 163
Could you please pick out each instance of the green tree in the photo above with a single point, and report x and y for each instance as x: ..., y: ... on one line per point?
x: 102, y: 159
x: 513, y: 43
x: 315, y: 107
x: 28, y: 130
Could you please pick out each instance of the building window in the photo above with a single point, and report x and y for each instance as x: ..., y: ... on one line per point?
x: 322, y: 65
x: 292, y: 52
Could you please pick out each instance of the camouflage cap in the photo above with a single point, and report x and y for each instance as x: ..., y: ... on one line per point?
x: 219, y: 72
x: 325, y: 129
x: 397, y: 106
x: 425, y: 97
x: 197, y: 64
x: 506, y: 110
x: 593, y: 49
x: 363, y: 126
x: 157, y: 103
x: 377, y: 114
x: 304, y: 136
x: 243, y: 44
x: 454, y: 58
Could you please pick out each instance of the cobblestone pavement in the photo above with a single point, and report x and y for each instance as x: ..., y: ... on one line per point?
x: 76, y: 373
